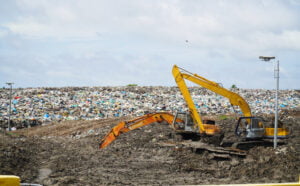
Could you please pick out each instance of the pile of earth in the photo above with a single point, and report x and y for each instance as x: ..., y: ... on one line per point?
x: 67, y: 153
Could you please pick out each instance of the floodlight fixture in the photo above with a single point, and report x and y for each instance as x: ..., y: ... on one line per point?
x: 266, y: 58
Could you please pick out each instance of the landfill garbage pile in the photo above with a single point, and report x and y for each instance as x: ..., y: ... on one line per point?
x: 66, y: 153
x: 35, y: 106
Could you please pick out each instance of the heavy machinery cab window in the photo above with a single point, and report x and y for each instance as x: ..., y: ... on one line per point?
x: 180, y: 120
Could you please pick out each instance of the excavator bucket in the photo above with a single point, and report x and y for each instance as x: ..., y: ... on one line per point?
x: 113, y: 134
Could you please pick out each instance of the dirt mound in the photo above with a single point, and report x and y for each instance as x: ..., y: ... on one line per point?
x: 56, y: 154
x: 68, y: 128
x: 18, y: 157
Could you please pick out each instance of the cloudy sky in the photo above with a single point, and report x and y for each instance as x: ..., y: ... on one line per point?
x: 119, y: 42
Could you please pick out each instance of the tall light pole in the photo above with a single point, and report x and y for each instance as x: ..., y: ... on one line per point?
x: 9, y: 112
x: 276, y: 76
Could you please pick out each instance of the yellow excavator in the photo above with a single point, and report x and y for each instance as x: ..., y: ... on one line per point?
x: 248, y: 126
x: 184, y: 123
x: 191, y: 123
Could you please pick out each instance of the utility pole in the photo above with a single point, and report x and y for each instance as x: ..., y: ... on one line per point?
x: 9, y: 112
x: 276, y: 76
x: 276, y: 103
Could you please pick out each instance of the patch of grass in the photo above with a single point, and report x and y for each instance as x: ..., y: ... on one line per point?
x: 225, y: 117
x: 13, y: 134
x: 132, y: 85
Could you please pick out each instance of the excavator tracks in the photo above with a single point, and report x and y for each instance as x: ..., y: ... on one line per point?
x: 215, y: 151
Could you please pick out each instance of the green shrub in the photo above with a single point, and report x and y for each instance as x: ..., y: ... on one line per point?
x: 132, y: 85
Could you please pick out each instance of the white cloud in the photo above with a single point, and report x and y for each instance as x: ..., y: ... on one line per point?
x: 226, y: 33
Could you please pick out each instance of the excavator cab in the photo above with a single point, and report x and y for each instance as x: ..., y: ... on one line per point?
x: 250, y: 128
x: 186, y: 128
x: 183, y: 122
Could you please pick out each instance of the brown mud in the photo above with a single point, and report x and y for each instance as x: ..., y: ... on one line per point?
x: 67, y: 153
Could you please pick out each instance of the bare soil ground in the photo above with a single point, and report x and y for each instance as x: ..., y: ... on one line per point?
x: 67, y: 153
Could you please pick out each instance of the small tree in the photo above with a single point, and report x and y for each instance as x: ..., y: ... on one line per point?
x: 132, y: 85
x: 233, y: 86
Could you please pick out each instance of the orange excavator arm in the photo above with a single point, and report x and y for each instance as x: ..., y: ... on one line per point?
x: 126, y: 126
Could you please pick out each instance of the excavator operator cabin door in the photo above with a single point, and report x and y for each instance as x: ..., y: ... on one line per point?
x: 183, y: 122
x: 250, y: 128
x: 256, y: 129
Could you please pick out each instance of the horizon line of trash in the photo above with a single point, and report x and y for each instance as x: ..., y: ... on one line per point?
x: 75, y: 103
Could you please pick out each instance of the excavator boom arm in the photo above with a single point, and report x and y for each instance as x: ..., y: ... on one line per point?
x: 179, y: 79
x: 234, y: 98
x: 126, y: 126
